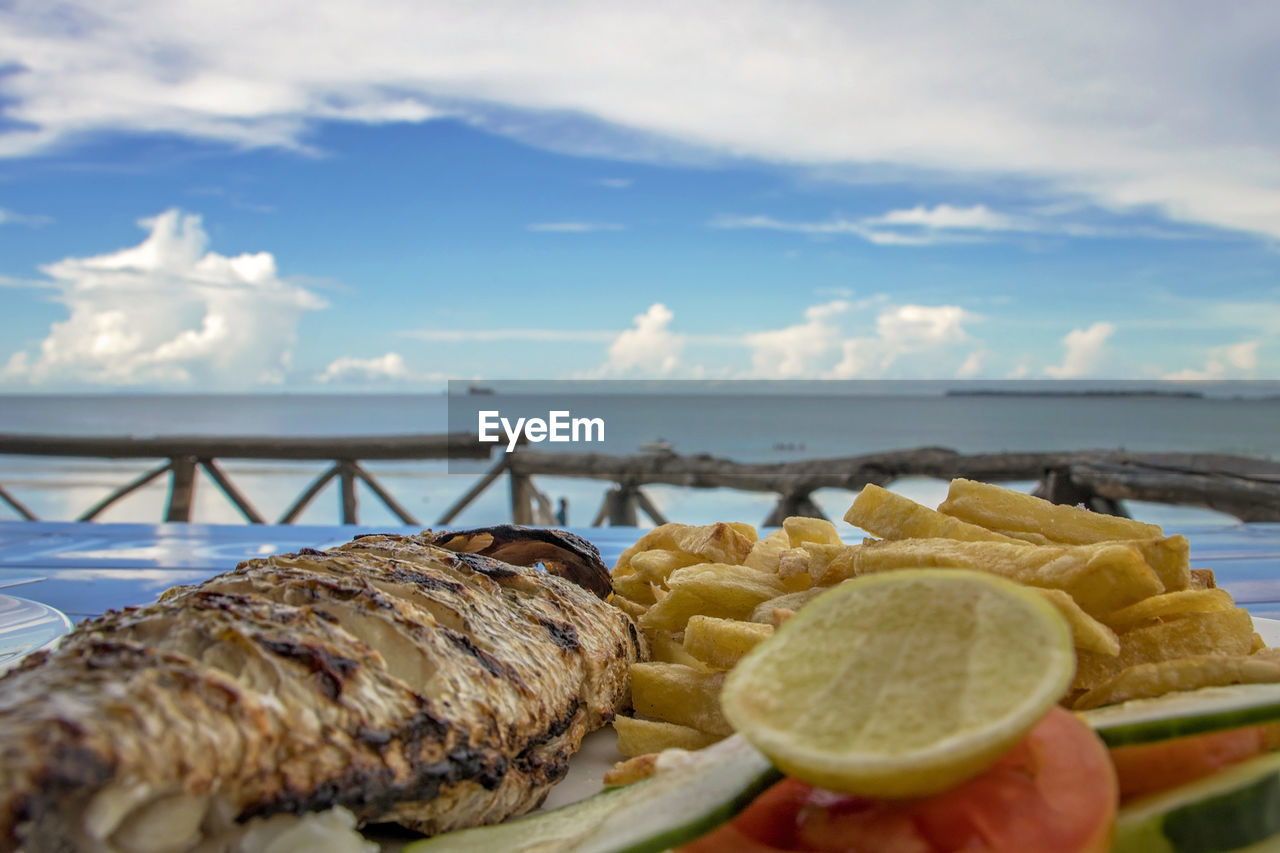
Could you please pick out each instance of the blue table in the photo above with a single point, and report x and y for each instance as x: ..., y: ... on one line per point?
x: 84, y: 568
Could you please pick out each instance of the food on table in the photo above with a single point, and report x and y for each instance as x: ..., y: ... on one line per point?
x: 1142, y: 623
x: 902, y: 684
x: 392, y: 676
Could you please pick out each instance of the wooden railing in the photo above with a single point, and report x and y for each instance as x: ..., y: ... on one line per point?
x: 183, y: 455
x: 1244, y: 487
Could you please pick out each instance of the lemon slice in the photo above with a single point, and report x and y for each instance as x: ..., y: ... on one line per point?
x: 903, y: 683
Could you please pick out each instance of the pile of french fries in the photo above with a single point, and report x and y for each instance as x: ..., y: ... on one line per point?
x: 1144, y: 623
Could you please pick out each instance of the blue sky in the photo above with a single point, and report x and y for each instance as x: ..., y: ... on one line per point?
x: 343, y: 196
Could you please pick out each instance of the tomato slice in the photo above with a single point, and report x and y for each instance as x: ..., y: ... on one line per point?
x: 1150, y: 767
x: 1055, y: 792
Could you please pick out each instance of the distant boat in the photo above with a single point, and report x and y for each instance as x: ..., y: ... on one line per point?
x: 479, y: 389
x: 661, y: 445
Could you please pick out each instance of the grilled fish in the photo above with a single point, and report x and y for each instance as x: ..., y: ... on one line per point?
x: 410, y: 679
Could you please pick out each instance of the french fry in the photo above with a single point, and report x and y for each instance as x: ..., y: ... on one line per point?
x: 795, y: 563
x: 1189, y: 673
x: 801, y: 529
x: 766, y: 552
x: 721, y: 643
x: 665, y: 647
x: 633, y: 609
x: 888, y: 515
x: 718, y: 543
x: 663, y: 536
x: 1170, y: 558
x: 673, y: 611
x: 1087, y: 633
x: 1203, y: 579
x: 655, y: 564
x: 1037, y: 520
x: 1169, y: 605
x: 830, y: 564
x: 792, y: 602
x: 642, y: 737
x: 735, y: 589
x: 1101, y: 577
x: 679, y: 694
x: 998, y: 508
x: 635, y: 588
x: 1227, y: 633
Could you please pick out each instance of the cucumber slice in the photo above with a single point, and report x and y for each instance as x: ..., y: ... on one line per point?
x: 662, y: 811
x: 1190, y: 712
x: 1236, y: 809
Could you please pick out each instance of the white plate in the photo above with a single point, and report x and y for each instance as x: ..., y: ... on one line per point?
x: 26, y: 626
x: 1269, y: 629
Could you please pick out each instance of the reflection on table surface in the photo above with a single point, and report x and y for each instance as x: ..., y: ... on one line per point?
x: 87, y: 568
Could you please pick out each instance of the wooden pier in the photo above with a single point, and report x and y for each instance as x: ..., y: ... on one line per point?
x: 1244, y: 487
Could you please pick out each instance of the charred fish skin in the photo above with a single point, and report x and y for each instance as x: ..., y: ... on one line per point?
x: 392, y: 676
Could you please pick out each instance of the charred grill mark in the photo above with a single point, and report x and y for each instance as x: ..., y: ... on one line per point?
x: 556, y: 728
x: 494, y: 666
x: 635, y: 637
x: 423, y: 728
x: 562, y: 634
x: 373, y: 789
x: 333, y: 670
x: 425, y: 581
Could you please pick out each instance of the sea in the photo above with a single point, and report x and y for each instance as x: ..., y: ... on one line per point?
x: 756, y: 423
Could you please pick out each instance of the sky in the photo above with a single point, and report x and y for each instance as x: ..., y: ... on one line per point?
x: 345, y: 196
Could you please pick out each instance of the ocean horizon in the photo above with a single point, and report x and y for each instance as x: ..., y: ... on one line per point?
x: 760, y: 426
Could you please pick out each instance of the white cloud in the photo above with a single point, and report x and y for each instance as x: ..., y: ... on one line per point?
x: 1235, y: 361
x: 1086, y: 350
x: 649, y: 347
x: 572, y: 227
x: 491, y: 335
x: 972, y: 365
x: 168, y: 311
x: 977, y: 217
x: 946, y: 223
x: 9, y: 217
x: 799, y: 350
x: 381, y: 369
x: 1122, y: 103
x: 929, y: 333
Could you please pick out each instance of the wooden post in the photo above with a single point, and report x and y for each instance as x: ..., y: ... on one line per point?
x: 790, y: 504
x: 1057, y: 486
x: 622, y: 506
x: 347, y: 478
x: 182, y: 488
x: 521, y: 499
